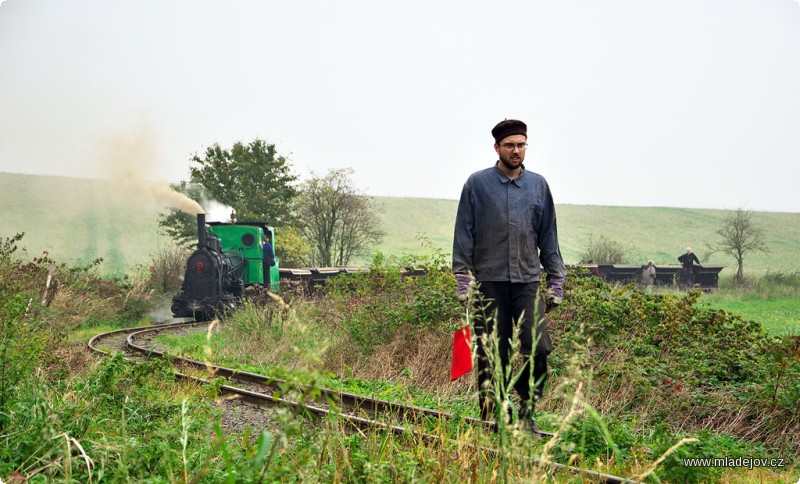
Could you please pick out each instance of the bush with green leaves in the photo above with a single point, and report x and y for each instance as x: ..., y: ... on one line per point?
x: 23, y: 337
x: 660, y: 357
x: 373, y: 305
x: 32, y: 327
x: 25, y: 334
x: 773, y: 284
x: 707, y: 446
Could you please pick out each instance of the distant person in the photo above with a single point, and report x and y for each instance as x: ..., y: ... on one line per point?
x: 687, y: 261
x: 594, y: 269
x: 269, y: 258
x: 649, y: 274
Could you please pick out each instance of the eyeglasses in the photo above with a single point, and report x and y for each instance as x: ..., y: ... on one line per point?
x: 511, y: 146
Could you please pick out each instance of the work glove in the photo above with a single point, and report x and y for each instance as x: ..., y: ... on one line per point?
x: 465, y: 281
x: 554, y: 293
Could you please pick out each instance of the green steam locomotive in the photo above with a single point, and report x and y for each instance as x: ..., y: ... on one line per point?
x: 229, y: 258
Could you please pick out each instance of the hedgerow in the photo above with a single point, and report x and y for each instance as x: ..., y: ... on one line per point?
x: 372, y: 306
x: 653, y: 361
x: 661, y: 358
x: 110, y: 422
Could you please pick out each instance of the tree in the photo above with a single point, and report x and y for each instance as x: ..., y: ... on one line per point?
x: 603, y: 251
x: 338, y: 221
x: 290, y: 248
x: 739, y: 236
x: 251, y: 178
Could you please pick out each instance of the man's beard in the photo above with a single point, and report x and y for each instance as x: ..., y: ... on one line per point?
x: 507, y: 161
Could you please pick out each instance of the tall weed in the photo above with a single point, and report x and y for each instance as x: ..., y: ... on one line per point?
x: 23, y: 337
x: 166, y: 269
x: 772, y: 285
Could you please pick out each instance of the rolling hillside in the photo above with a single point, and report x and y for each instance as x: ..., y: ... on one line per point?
x: 660, y: 234
x: 77, y: 220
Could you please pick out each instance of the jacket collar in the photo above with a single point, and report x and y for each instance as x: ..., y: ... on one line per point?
x: 504, y: 178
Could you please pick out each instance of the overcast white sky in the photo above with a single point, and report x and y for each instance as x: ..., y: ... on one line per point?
x: 680, y: 103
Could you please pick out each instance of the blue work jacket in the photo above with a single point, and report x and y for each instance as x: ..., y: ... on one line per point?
x: 506, y: 229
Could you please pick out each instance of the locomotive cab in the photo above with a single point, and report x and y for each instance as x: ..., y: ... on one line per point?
x: 243, y: 240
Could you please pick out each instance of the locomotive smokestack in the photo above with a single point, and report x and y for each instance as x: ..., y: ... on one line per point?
x: 201, y: 229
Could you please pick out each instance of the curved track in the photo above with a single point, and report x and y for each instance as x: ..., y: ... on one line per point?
x: 357, y: 413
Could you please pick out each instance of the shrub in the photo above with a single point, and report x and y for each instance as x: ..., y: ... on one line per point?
x: 777, y: 278
x: 23, y: 337
x: 167, y: 266
x: 658, y: 357
x: 116, y: 422
x: 708, y: 446
x: 8, y: 245
x: 372, y: 306
x: 603, y: 251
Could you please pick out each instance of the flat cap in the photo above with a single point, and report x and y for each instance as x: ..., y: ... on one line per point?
x: 508, y: 127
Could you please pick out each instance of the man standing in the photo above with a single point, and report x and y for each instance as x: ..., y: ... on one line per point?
x: 594, y: 269
x: 268, y: 258
x: 687, y: 260
x: 505, y: 231
x: 649, y: 274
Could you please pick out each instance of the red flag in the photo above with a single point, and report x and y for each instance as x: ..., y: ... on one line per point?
x: 462, y: 354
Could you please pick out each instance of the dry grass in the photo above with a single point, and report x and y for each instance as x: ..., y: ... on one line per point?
x: 268, y: 332
x: 411, y: 359
x: 72, y: 359
x: 166, y: 269
x: 73, y: 309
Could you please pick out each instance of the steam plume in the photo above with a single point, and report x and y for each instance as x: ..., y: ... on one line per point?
x: 170, y: 198
x: 129, y: 156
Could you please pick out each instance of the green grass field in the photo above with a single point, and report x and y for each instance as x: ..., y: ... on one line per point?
x: 777, y: 316
x: 660, y: 234
x: 77, y: 220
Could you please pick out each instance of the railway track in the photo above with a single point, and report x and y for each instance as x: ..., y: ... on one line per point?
x: 355, y: 412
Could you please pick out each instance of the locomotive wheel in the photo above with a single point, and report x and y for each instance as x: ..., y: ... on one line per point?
x: 202, y: 316
x: 180, y: 310
x: 225, y: 308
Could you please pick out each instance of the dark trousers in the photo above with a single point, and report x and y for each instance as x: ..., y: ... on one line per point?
x: 504, y: 307
x: 688, y: 276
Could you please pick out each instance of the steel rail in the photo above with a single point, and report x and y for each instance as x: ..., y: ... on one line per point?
x: 360, y: 424
x: 346, y: 400
x: 349, y: 401
x: 92, y: 345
